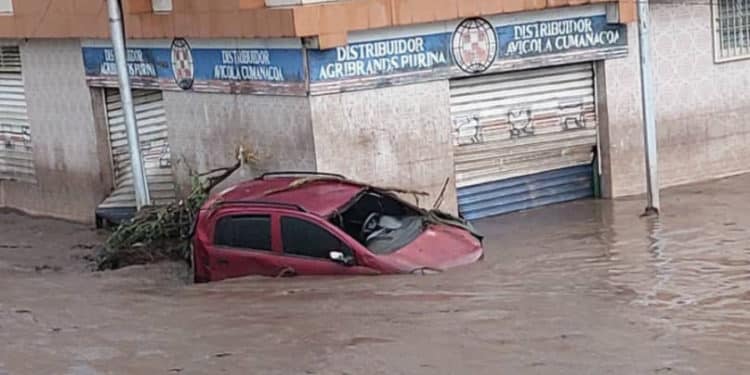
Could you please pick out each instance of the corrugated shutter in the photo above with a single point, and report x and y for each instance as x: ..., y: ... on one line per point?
x: 152, y: 132
x: 16, y: 152
x: 523, y: 139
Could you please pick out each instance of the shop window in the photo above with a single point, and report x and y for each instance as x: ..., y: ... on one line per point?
x: 304, y: 238
x: 284, y: 3
x: 731, y: 23
x: 6, y: 6
x: 244, y: 232
x: 161, y: 6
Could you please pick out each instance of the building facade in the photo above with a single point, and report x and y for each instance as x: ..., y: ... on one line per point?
x: 514, y: 104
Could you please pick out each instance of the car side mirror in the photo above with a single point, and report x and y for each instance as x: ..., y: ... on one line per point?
x: 341, y: 258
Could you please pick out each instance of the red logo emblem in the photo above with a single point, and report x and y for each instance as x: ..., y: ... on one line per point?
x: 182, y: 64
x: 474, y: 45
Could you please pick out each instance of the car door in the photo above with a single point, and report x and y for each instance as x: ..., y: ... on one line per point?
x: 242, y: 246
x: 307, y: 248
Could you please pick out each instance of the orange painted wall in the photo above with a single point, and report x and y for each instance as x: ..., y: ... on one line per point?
x: 190, y: 18
x: 250, y: 18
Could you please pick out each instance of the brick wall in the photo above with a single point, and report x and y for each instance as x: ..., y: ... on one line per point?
x: 397, y: 136
x: 703, y: 109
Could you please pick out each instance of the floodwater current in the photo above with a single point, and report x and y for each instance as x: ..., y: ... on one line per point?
x: 588, y: 287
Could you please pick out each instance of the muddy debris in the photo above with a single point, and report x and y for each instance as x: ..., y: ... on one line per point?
x: 580, y: 288
x: 162, y: 233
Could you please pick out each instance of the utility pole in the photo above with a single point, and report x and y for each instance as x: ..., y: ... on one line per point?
x: 647, y: 101
x: 140, y: 184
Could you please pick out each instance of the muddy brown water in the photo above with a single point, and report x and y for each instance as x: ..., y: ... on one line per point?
x: 582, y: 288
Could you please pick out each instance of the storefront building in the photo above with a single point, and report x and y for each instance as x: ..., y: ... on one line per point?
x: 515, y: 108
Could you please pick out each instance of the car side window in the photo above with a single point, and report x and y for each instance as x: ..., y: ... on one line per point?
x: 301, y: 237
x: 244, y: 232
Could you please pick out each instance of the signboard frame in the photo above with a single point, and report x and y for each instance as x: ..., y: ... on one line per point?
x: 475, y: 46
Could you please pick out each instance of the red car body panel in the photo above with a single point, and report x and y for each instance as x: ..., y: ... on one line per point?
x: 437, y: 247
x: 321, y: 199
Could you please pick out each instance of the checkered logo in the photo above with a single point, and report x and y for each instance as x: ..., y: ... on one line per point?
x: 474, y: 45
x: 182, y: 64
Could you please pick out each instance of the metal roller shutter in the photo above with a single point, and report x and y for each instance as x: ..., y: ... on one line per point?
x: 16, y: 153
x: 523, y: 139
x: 152, y: 131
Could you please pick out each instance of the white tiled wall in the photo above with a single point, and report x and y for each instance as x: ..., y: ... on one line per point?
x: 702, y: 108
x: 397, y: 136
x: 205, y: 129
x: 67, y: 150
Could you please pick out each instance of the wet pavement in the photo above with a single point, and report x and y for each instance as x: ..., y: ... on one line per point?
x: 582, y: 288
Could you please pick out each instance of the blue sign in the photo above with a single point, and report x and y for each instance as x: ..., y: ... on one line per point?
x: 141, y: 62
x: 274, y: 65
x: 473, y: 49
x: 381, y: 57
x: 198, y: 68
x: 558, y: 36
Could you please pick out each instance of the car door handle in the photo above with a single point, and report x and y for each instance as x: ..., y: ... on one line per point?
x: 222, y: 261
x: 286, y: 272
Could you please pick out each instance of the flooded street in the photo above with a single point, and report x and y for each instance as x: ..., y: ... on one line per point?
x: 582, y: 288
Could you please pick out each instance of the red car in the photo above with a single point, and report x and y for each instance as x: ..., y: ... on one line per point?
x: 286, y: 224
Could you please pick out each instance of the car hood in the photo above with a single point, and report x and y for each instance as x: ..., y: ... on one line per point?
x: 439, y: 247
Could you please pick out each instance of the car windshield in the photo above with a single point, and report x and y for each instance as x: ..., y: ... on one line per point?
x: 380, y: 222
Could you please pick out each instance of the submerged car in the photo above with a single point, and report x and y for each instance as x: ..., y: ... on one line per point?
x: 287, y: 224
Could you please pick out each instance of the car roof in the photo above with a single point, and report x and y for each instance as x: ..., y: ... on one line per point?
x: 319, y: 196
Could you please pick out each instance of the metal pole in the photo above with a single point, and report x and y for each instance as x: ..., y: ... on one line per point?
x: 140, y: 184
x: 649, y: 122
